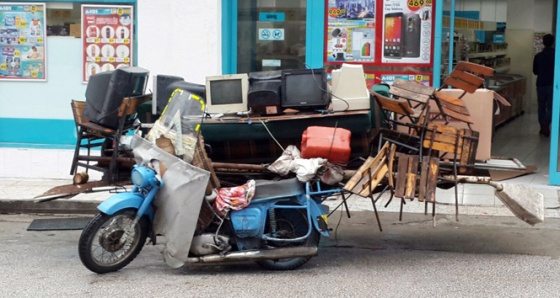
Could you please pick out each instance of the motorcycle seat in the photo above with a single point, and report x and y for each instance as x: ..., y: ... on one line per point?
x: 268, y: 189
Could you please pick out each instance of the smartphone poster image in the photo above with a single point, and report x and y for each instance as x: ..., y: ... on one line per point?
x: 392, y: 42
x: 411, y: 36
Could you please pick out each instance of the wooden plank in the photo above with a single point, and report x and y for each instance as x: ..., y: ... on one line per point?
x: 392, y: 152
x: 375, y: 179
x: 441, y: 96
x: 454, y: 106
x: 398, y: 106
x: 467, y: 77
x: 413, y: 87
x: 459, y: 84
x: 476, y: 68
x: 353, y: 182
x: 422, y: 98
x: 431, y: 182
x: 354, y: 185
x: 441, y: 147
x: 423, y: 179
x: 403, y: 160
x: 411, y: 177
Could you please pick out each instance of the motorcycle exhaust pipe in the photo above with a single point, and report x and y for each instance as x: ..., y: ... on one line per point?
x: 269, y: 254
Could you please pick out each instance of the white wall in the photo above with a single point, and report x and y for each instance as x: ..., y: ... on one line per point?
x: 180, y: 38
x: 490, y: 10
x: 544, y: 12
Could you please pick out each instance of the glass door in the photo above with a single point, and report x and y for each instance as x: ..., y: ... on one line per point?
x: 259, y: 35
x: 271, y: 35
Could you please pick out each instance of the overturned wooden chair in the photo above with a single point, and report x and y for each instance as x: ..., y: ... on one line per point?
x: 403, y: 125
x: 467, y: 77
x: 370, y: 175
x: 457, y: 146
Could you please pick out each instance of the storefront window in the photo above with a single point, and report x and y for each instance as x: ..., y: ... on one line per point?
x: 271, y: 35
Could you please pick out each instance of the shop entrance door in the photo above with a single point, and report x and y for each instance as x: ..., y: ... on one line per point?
x: 272, y: 34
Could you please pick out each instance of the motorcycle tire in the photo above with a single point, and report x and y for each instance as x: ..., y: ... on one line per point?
x: 293, y: 263
x: 103, y: 235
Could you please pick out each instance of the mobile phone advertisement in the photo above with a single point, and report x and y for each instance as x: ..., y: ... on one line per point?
x: 407, y: 32
x: 107, y: 38
x: 351, y: 31
x: 23, y: 50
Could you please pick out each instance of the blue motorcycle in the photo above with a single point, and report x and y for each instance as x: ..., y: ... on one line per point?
x: 279, y: 229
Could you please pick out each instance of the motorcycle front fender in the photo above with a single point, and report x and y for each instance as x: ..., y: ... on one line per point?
x: 124, y: 200
x: 319, y: 218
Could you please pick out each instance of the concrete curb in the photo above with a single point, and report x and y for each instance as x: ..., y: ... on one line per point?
x: 60, y: 206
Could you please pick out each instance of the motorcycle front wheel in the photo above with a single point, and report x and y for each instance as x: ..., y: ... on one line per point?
x: 109, y: 243
x: 290, y: 224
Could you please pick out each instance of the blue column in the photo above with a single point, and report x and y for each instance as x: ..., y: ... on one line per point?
x: 554, y: 174
x: 438, y: 39
x: 229, y: 36
x: 315, y: 33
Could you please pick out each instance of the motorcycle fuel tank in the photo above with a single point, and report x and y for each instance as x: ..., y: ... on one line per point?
x: 248, y: 222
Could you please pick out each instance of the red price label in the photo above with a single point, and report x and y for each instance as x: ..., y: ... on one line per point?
x: 335, y: 12
x: 415, y: 5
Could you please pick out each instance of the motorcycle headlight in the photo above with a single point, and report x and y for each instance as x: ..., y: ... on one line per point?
x: 142, y: 176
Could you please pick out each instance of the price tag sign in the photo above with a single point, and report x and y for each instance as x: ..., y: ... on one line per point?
x: 415, y: 5
x: 334, y: 12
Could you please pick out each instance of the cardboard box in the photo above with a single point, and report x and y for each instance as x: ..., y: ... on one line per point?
x: 481, y: 107
x: 76, y: 30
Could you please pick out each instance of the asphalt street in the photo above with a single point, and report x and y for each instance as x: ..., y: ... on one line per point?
x: 475, y: 257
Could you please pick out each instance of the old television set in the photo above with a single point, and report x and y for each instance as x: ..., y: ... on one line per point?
x: 165, y: 85
x: 349, y: 90
x: 227, y: 94
x: 304, y: 89
x: 264, y: 92
x: 105, y: 92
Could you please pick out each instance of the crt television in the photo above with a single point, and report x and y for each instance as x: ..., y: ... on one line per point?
x: 227, y: 94
x: 349, y: 90
x: 304, y: 89
x: 163, y: 88
x: 105, y: 92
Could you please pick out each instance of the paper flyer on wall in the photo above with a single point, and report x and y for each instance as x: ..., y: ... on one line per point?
x: 351, y: 31
x: 23, y: 49
x: 407, y: 31
x: 107, y: 38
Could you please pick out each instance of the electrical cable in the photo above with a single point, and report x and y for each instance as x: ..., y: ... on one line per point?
x: 272, y: 136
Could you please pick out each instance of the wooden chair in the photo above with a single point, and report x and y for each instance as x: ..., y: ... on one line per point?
x: 370, y: 175
x: 112, y: 154
x: 403, y: 125
x: 465, y: 76
x: 443, y: 140
x: 86, y: 139
x: 417, y: 95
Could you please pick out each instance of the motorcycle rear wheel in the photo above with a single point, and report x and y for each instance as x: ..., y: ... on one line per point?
x: 296, y: 226
x: 104, y: 246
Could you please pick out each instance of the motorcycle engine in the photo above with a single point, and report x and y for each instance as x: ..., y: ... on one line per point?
x: 207, y: 244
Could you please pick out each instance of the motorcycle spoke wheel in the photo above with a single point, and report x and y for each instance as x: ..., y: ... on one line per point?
x: 110, y: 242
x: 291, y: 224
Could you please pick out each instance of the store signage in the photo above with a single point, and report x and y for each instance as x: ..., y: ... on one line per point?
x: 107, y: 38
x: 272, y: 17
x: 23, y: 49
x: 271, y: 34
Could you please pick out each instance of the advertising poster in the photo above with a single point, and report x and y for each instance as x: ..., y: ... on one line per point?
x: 422, y: 78
x: 538, y: 42
x: 23, y: 50
x: 407, y: 31
x: 350, y: 31
x: 107, y: 38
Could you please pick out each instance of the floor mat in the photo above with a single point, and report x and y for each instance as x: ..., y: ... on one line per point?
x: 54, y: 224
